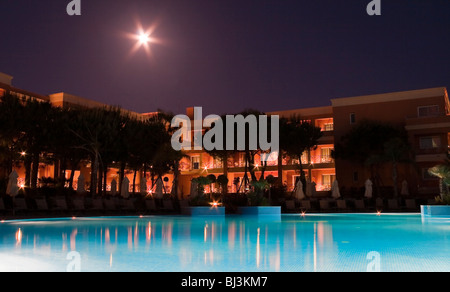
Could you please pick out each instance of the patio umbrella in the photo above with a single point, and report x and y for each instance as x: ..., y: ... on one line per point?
x: 335, y: 190
x: 405, y: 189
x: 368, y: 193
x: 299, y: 194
x: 125, y: 190
x: 12, y: 189
x: 143, y: 186
x: 113, y: 187
x: 159, y: 188
x: 81, y: 184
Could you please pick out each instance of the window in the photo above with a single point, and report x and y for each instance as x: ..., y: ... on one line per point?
x: 328, y: 179
x: 428, y: 111
x: 195, y: 162
x: 352, y: 118
x: 325, y: 155
x: 431, y: 142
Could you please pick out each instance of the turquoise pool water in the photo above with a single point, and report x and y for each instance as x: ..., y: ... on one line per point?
x: 325, y: 242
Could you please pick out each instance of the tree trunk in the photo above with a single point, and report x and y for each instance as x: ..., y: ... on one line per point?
x: 94, y: 175
x: 100, y: 180
x: 176, y: 176
x: 35, y: 171
x: 225, y: 172
x: 134, y: 181
x: 121, y: 174
x: 394, y: 178
x: 27, y: 165
x: 105, y: 179
x: 280, y: 169
x: 72, y: 176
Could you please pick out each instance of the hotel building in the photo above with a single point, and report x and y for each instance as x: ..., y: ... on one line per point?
x: 424, y: 114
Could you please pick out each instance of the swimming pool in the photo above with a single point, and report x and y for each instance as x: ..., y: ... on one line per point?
x: 315, y: 242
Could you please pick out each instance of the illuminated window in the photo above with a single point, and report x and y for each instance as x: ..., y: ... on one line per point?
x: 325, y: 155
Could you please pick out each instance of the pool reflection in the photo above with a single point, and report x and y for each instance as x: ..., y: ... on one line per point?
x: 196, y: 244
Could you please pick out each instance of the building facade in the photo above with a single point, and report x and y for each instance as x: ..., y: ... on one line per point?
x: 424, y: 114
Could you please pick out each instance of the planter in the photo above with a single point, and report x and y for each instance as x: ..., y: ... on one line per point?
x: 203, y: 211
x: 435, y: 211
x: 260, y: 211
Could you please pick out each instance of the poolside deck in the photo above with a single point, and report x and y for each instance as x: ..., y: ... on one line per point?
x: 26, y: 208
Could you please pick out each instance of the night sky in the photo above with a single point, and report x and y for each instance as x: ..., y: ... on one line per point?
x: 225, y: 55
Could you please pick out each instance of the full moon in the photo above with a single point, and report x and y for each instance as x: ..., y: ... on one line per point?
x: 143, y: 38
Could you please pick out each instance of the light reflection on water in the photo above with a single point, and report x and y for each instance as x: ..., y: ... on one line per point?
x: 294, y: 243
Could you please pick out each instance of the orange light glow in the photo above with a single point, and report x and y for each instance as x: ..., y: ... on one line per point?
x: 19, y: 236
x: 215, y: 204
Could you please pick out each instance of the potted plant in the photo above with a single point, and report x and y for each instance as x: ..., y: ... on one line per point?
x: 201, y: 204
x: 258, y: 204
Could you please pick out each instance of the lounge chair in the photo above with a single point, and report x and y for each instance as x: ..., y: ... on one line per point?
x: 168, y: 206
x: 97, y: 205
x: 324, y: 205
x: 184, y: 203
x: 20, y: 205
x: 150, y: 206
x: 60, y: 204
x: 379, y: 204
x: 341, y: 205
x: 305, y: 205
x: 127, y: 205
x: 41, y: 204
x: 290, y: 206
x: 393, y: 205
x: 410, y: 204
x: 78, y: 205
x: 110, y: 205
x: 2, y: 206
x: 360, y: 205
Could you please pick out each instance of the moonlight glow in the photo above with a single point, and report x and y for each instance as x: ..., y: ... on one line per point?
x: 144, y: 38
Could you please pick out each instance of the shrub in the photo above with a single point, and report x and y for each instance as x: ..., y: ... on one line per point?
x: 444, y: 200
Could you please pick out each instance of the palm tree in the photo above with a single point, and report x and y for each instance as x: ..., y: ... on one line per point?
x: 371, y: 143
x: 296, y: 137
x: 442, y: 171
x: 38, y: 120
x: 11, y: 131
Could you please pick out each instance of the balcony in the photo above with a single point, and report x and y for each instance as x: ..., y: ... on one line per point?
x: 317, y: 159
x: 430, y: 122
